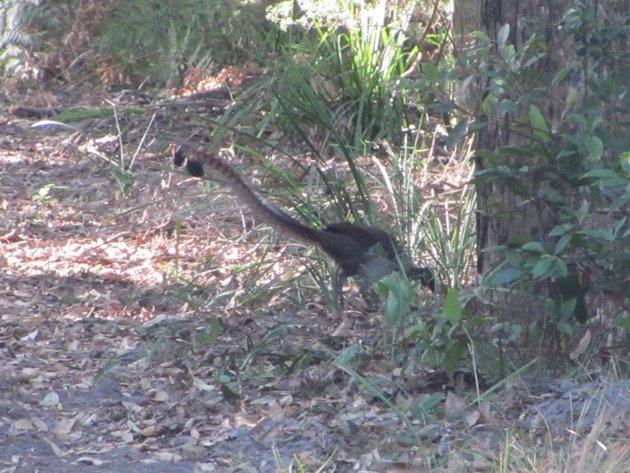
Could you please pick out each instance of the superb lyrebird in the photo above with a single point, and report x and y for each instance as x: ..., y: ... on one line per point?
x: 362, y: 250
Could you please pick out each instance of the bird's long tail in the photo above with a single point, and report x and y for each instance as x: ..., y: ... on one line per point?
x: 195, y: 157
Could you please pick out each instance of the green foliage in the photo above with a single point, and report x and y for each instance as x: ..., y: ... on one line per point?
x: 364, y: 65
x: 446, y: 340
x: 449, y: 228
x: 449, y: 334
x: 576, y: 169
x: 14, y: 36
x: 346, y: 361
x: 301, y: 107
x: 353, y: 74
x: 400, y: 296
x: 27, y: 25
x: 410, y: 212
x: 327, y: 197
x: 80, y: 114
x: 162, y: 39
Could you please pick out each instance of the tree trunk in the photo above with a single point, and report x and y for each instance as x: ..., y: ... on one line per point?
x: 503, y: 216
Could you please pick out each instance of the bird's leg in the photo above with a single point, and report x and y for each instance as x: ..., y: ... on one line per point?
x: 339, y: 279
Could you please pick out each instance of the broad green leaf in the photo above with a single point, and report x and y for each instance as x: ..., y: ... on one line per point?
x: 618, y: 225
x: 431, y: 72
x: 579, y: 119
x: 457, y: 132
x: 452, y: 357
x: 539, y: 124
x: 488, y: 104
x: 561, y: 267
x: 566, y: 328
x: 562, y: 243
x: 561, y: 229
x: 562, y: 73
x: 533, y: 246
x: 595, y: 148
x: 572, y: 97
x: 452, y: 307
x: 598, y: 233
x: 568, y: 307
x: 506, y: 106
x: 480, y: 35
x: 541, y: 267
x: 534, y: 330
x: 505, y: 276
x: 503, y: 35
x: 602, y: 173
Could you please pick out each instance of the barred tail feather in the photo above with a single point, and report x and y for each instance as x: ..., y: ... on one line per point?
x: 196, y: 156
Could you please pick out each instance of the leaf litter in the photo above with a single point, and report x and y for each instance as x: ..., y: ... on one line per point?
x: 109, y: 358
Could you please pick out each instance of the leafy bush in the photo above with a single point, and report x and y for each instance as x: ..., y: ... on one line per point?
x: 161, y: 39
x: 14, y: 37
x: 575, y: 171
x: 354, y: 67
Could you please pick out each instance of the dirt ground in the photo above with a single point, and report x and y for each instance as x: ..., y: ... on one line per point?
x: 115, y: 358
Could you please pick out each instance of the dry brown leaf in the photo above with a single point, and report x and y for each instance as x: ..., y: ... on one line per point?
x: 40, y: 425
x: 276, y: 412
x: 167, y: 457
x: 55, y: 448
x: 472, y: 417
x: 453, y: 404
x: 65, y: 426
x: 158, y: 395
x: 19, y: 427
x: 585, y: 341
x: 148, y: 431
x: 125, y: 435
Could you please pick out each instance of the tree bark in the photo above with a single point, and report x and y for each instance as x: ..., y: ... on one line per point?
x: 503, y: 216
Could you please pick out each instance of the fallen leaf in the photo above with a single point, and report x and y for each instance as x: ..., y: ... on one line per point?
x: 20, y: 427
x: 65, y: 426
x: 472, y: 417
x: 90, y: 461
x: 453, y: 404
x: 276, y: 411
x: 148, y: 431
x: 159, y: 395
x: 51, y: 399
x: 585, y: 341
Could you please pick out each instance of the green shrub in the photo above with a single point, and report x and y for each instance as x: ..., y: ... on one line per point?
x: 160, y: 40
x: 579, y: 166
